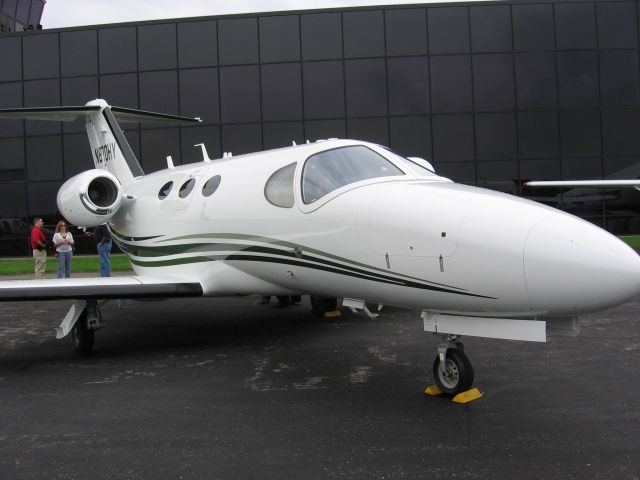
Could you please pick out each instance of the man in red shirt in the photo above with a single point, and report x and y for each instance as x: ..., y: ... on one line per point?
x: 39, y: 248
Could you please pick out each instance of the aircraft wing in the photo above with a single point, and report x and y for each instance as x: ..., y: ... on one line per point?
x: 101, y: 288
x: 586, y: 183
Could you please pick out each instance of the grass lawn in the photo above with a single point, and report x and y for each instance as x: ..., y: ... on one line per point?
x: 23, y: 266
x: 632, y: 240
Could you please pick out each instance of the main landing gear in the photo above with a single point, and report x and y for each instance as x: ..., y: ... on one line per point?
x: 83, y: 331
x: 452, y: 369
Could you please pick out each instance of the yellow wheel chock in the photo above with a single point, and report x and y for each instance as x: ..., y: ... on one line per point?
x: 462, y: 397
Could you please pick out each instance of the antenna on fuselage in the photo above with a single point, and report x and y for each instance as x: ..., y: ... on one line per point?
x: 170, y: 162
x: 205, y: 155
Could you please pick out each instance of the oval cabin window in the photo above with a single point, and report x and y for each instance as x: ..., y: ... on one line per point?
x: 165, y: 190
x: 186, y: 187
x: 211, y: 186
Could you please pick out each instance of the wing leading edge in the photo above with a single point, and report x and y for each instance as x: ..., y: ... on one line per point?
x: 99, y: 288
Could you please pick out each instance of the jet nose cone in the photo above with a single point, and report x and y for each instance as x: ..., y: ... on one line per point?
x: 574, y: 267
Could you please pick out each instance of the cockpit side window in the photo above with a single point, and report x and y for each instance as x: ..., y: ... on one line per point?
x: 279, y: 187
x: 327, y: 171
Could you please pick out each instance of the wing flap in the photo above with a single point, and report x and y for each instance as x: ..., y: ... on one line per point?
x: 99, y: 288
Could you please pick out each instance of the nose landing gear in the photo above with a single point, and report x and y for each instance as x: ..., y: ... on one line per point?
x: 452, y: 369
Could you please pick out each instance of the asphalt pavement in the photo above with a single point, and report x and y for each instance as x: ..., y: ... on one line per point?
x: 231, y: 389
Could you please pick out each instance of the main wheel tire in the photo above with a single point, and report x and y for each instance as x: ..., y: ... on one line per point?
x: 322, y: 305
x: 456, y: 375
x: 82, y: 336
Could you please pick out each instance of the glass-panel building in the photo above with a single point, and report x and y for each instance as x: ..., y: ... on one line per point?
x: 492, y: 93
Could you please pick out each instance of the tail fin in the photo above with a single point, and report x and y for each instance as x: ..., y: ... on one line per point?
x: 109, y: 147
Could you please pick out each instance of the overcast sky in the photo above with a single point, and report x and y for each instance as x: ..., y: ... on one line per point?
x: 71, y: 13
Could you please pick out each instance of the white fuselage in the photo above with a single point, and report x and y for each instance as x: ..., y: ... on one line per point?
x: 416, y: 241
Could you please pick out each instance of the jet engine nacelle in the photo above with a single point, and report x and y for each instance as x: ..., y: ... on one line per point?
x: 90, y: 198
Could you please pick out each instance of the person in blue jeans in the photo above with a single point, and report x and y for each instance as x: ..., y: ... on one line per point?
x: 63, y: 243
x: 102, y: 236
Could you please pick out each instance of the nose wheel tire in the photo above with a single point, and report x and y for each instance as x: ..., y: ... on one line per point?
x: 82, y: 336
x: 455, y: 375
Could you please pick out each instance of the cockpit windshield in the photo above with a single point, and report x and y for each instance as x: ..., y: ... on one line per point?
x: 327, y: 171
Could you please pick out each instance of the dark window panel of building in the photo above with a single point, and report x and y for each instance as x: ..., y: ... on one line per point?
x: 13, y: 204
x: 36, y: 12
x: 493, y: 82
x: 197, y: 44
x: 460, y: 172
x: 578, y: 79
x: 281, y: 92
x: 408, y: 85
x: 538, y: 134
x: 501, y: 176
x: 239, y: 139
x: 77, y: 154
x: 617, y: 26
x: 42, y: 93
x: 11, y: 55
x: 323, y: 129
x: 117, y: 50
x: 580, y: 133
x: 41, y: 198
x: 120, y: 90
x: 240, y: 94
x: 533, y: 27
x: 582, y: 168
x: 453, y: 138
x: 157, y: 46
x: 78, y: 91
x: 451, y: 84
x: 133, y: 138
x: 9, y: 7
x: 620, y: 132
x: 411, y: 136
x: 238, y: 39
x: 323, y: 89
x: 157, y: 144
x: 496, y: 136
x: 621, y: 167
x: 544, y: 169
x: 619, y: 78
x: 12, y: 166
x: 199, y: 94
x: 11, y: 97
x: 280, y: 38
x: 282, y: 134
x: 40, y: 56
x: 44, y: 158
x: 406, y: 31
x: 190, y: 136
x: 321, y: 36
x: 363, y: 34
x: 491, y: 28
x: 22, y: 12
x: 375, y: 130
x: 575, y: 26
x: 159, y: 92
x: 536, y: 81
x: 366, y: 87
x: 79, y: 53
x: 448, y: 30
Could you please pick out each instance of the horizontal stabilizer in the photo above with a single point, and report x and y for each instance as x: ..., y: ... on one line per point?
x: 586, y: 183
x: 101, y: 288
x: 69, y: 114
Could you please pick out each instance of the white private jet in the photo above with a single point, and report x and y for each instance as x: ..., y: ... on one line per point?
x: 333, y: 219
